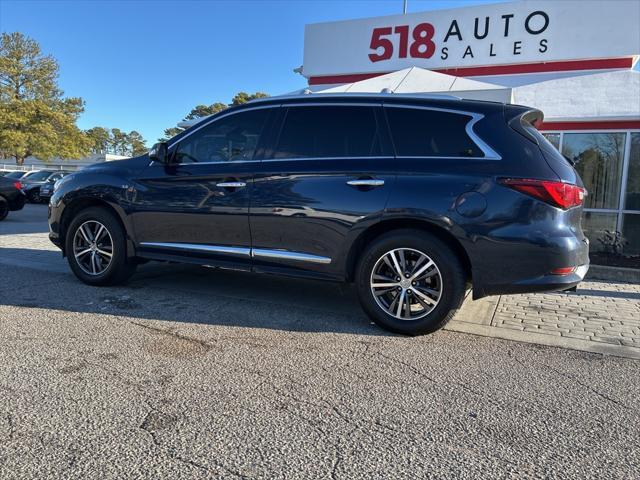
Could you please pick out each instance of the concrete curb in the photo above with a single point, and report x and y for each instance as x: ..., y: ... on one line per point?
x: 614, y: 274
x: 541, y: 339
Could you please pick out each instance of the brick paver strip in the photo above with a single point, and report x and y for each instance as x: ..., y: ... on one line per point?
x: 600, y: 317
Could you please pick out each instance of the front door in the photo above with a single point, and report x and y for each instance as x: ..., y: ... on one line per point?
x: 197, y: 206
x: 328, y: 176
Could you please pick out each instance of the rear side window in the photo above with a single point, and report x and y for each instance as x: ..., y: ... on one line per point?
x: 430, y: 133
x: 331, y: 131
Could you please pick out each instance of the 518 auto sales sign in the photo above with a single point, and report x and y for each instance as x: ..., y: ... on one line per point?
x: 496, y: 34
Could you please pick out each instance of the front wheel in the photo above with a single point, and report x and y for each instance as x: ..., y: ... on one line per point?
x: 95, y: 245
x: 410, y: 282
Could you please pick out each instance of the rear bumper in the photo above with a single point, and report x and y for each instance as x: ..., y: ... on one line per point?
x: 17, y: 201
x: 543, y: 283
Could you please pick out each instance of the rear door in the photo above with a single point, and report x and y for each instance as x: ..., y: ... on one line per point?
x: 198, y: 205
x: 329, y: 174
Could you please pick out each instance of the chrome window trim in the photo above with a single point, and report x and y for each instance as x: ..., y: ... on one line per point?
x: 288, y: 255
x: 246, y: 252
x: 242, y: 251
x: 489, y: 153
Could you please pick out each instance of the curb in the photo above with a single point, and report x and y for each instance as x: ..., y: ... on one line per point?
x: 614, y: 274
x: 542, y: 339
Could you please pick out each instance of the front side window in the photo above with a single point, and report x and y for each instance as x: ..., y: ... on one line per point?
x: 420, y: 132
x: 231, y: 138
x: 598, y: 159
x: 329, y: 131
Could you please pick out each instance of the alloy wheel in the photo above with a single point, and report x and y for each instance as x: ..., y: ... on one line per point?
x: 406, y: 283
x: 93, y: 247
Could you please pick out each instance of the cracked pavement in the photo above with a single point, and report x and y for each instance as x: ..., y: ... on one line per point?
x: 189, y: 372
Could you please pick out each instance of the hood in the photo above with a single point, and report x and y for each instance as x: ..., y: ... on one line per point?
x: 118, y: 167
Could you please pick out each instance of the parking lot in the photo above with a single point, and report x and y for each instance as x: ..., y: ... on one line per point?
x: 190, y: 372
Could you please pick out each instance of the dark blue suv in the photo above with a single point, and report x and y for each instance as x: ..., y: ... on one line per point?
x: 414, y: 198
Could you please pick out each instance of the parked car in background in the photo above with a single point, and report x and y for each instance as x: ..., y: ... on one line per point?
x: 11, y: 196
x: 47, y: 188
x: 16, y: 175
x: 413, y: 198
x: 33, y: 182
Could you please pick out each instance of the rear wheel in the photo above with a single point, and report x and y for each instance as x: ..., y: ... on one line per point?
x: 410, y: 282
x: 4, y: 208
x: 95, y: 245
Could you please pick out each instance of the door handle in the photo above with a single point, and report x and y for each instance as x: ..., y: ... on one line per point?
x: 366, y: 182
x: 231, y: 184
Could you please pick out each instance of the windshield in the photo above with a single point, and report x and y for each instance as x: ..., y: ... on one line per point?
x: 38, y: 176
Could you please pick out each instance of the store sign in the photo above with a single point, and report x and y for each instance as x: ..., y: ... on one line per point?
x: 496, y: 34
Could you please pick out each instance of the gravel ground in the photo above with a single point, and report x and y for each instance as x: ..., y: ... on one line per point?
x: 197, y: 373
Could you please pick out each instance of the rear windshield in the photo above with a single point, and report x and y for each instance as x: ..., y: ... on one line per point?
x: 548, y: 150
x: 15, y: 175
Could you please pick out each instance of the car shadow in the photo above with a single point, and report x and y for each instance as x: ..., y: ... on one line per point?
x: 191, y: 294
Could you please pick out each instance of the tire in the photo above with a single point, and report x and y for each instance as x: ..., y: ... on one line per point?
x: 4, y: 208
x: 109, y: 270
x: 434, y: 296
x: 34, y: 195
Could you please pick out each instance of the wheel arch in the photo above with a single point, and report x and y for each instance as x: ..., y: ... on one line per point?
x: 82, y: 203
x: 388, y: 225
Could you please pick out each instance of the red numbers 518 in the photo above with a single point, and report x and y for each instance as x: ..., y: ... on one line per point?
x: 421, y: 46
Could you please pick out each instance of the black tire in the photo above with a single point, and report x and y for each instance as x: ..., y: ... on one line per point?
x: 34, y: 195
x: 452, y: 280
x: 4, y: 208
x: 120, y: 268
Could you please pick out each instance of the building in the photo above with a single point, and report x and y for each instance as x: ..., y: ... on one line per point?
x: 572, y: 60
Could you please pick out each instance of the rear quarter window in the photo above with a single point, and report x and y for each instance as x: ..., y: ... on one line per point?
x: 420, y: 132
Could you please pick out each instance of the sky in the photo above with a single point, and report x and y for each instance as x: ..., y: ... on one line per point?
x: 143, y: 64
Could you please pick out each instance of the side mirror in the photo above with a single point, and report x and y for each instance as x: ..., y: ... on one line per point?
x: 159, y: 153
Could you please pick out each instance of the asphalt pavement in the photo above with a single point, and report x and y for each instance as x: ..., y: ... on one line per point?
x: 189, y: 372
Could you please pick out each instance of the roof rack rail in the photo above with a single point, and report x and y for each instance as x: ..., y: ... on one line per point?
x: 384, y: 93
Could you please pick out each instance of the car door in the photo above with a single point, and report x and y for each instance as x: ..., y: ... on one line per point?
x: 328, y: 174
x: 198, y: 204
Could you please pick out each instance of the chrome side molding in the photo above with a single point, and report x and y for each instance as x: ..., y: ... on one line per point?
x: 241, y: 251
x: 245, y: 252
x: 287, y: 255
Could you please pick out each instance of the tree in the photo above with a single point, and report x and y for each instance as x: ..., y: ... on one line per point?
x: 119, y: 142
x: 243, y: 97
x: 201, y: 111
x: 204, y: 111
x: 99, y: 139
x: 169, y: 133
x: 35, y: 118
x: 136, y: 144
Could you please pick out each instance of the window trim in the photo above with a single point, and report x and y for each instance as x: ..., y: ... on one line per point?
x: 488, y: 152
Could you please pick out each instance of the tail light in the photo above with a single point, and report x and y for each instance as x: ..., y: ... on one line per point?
x: 18, y: 185
x: 558, y: 194
x: 563, y: 270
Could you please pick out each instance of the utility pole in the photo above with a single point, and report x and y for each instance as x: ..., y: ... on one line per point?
x: 404, y: 7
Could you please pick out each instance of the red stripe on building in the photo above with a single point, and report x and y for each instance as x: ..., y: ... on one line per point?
x: 562, y: 66
x: 596, y: 125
